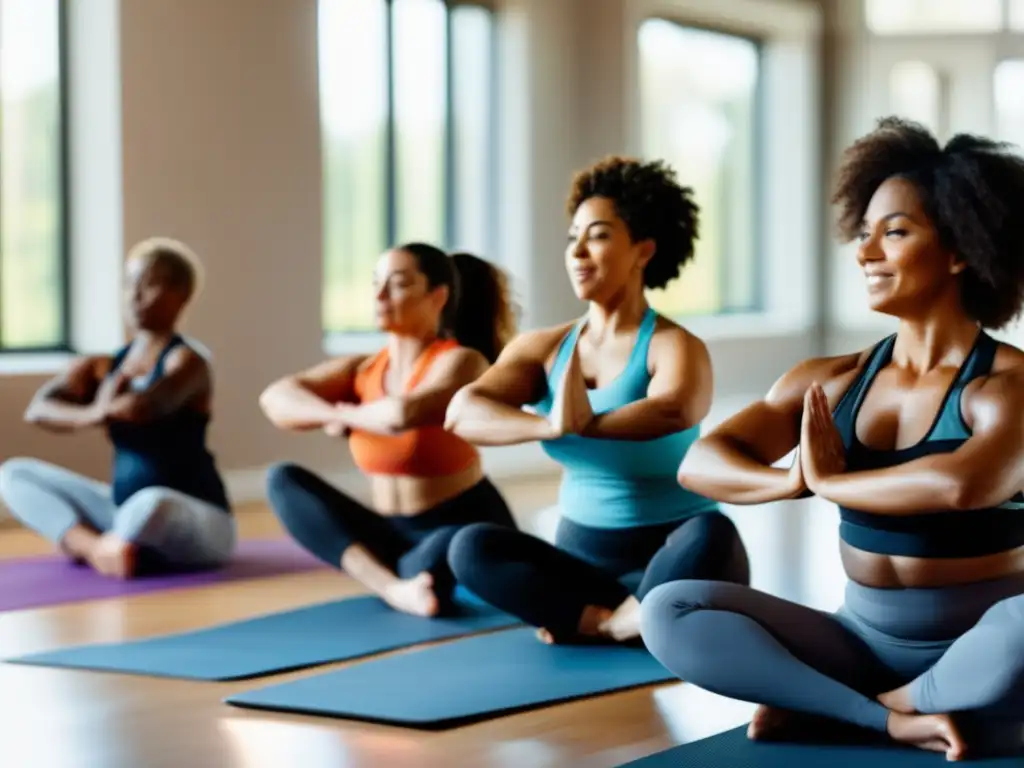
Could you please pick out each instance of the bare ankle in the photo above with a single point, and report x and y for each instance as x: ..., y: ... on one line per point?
x: 898, y: 700
x: 79, y: 542
x: 592, y: 618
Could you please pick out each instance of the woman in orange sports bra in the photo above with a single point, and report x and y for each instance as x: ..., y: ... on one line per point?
x: 447, y: 318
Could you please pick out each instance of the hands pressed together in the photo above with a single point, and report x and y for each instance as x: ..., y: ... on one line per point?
x: 820, y: 453
x: 113, y: 402
x: 571, y: 412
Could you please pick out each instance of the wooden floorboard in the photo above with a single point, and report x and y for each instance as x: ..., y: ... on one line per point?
x: 70, y: 719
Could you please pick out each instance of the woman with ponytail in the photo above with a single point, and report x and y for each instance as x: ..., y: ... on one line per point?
x: 446, y: 318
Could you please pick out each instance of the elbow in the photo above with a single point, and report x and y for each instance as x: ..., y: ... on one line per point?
x: 268, y: 400
x: 691, y: 473
x: 31, y: 414
x: 455, y: 412
x: 265, y: 402
x: 964, y: 493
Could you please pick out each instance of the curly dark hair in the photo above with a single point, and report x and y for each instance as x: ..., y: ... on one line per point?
x: 972, y: 191
x: 653, y: 205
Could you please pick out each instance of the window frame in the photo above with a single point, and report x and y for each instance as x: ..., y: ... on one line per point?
x: 63, y: 345
x: 359, y: 340
x: 1004, y: 15
x: 758, y: 189
x: 788, y: 322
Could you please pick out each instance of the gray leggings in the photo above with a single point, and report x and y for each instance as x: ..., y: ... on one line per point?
x: 178, y: 529
x: 961, y: 648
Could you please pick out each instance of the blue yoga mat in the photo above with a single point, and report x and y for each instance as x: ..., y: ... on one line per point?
x: 465, y: 681
x: 280, y: 642
x: 732, y: 749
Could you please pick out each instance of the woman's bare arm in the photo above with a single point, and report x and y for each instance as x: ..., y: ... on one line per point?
x: 490, y: 410
x: 733, y: 463
x: 307, y: 400
x: 65, y: 402
x: 425, y: 405
x: 186, y: 376
x: 985, y: 471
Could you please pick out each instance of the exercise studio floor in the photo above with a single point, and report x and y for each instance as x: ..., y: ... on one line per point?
x: 55, y: 718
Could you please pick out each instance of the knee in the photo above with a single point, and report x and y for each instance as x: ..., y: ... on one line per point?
x: 15, y: 471
x: 724, y: 548
x: 664, y: 607
x: 717, y: 530
x: 470, y: 546
x: 283, y: 476
x: 285, y: 481
x: 148, y: 504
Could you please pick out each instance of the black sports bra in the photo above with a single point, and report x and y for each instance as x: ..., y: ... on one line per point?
x: 937, y: 534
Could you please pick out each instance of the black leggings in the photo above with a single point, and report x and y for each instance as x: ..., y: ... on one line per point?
x: 549, y: 585
x: 327, y: 522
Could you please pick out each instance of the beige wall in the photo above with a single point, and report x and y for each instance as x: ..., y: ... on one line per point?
x: 219, y: 133
x: 221, y: 149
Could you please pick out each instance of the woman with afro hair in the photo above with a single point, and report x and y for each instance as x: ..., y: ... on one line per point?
x: 617, y: 399
x: 919, y: 441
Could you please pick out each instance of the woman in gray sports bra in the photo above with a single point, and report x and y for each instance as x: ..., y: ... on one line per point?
x: 920, y: 443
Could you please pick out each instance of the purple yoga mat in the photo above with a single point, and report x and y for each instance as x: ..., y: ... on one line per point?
x: 39, y: 581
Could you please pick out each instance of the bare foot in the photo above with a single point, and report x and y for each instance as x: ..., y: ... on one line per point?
x: 415, y: 596
x: 78, y: 542
x: 769, y: 722
x: 112, y: 556
x: 937, y: 733
x: 591, y: 620
x: 898, y: 700
x: 624, y: 622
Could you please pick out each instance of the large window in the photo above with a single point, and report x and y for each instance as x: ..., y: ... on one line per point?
x: 407, y: 109
x: 1017, y: 15
x: 699, y: 113
x: 926, y: 17
x: 915, y: 92
x: 33, y: 264
x: 1009, y: 105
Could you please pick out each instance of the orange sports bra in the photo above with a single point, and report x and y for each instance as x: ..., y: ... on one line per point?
x: 423, y: 452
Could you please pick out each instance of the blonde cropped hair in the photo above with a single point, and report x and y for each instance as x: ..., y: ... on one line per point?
x: 182, y: 263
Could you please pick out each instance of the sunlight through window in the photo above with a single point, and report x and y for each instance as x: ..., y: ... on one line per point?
x: 699, y: 113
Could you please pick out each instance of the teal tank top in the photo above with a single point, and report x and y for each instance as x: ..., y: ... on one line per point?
x: 620, y: 483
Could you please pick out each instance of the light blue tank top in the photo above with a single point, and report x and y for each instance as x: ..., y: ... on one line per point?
x: 620, y: 483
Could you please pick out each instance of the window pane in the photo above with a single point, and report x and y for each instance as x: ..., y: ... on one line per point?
x: 353, y: 105
x: 1017, y: 14
x: 915, y: 92
x: 922, y: 17
x: 472, y: 99
x: 698, y: 112
x: 32, y: 272
x: 418, y: 57
x: 1009, y: 106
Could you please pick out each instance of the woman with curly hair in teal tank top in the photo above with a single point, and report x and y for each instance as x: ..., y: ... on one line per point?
x: 617, y: 399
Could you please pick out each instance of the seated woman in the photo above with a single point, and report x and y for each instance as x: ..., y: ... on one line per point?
x: 619, y: 397
x: 167, y: 508
x: 446, y: 319
x: 919, y: 442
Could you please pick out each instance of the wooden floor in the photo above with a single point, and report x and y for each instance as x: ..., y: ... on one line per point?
x: 69, y: 719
